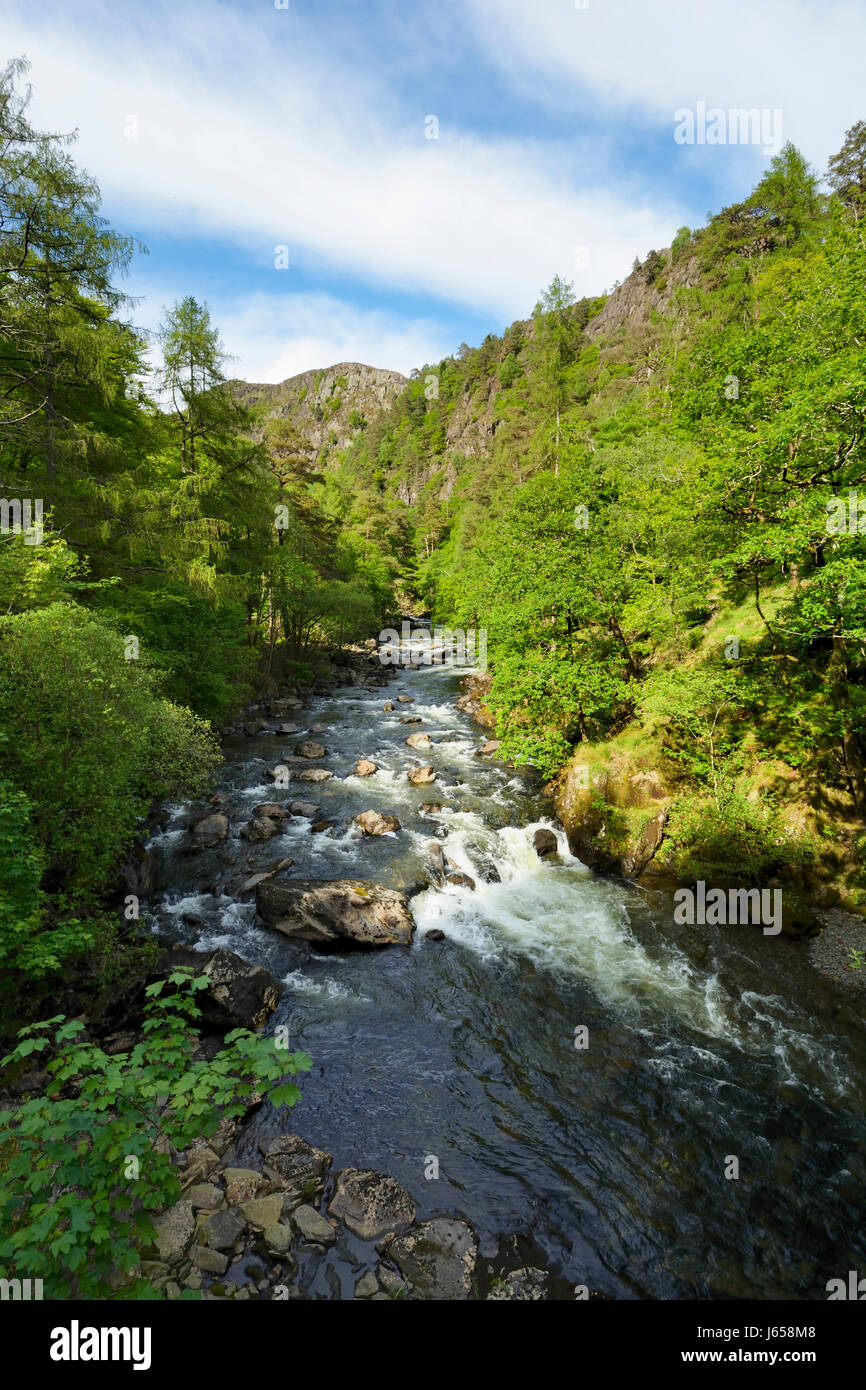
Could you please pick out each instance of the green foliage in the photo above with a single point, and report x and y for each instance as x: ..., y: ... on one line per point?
x: 734, y: 838
x: 846, y: 170
x: 709, y: 445
x: 591, y: 499
x: 87, y: 737
x: 21, y: 901
x: 703, y: 705
x: 86, y: 1166
x: 681, y: 242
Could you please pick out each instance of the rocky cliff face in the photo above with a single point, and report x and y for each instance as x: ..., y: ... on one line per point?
x: 650, y: 287
x: 474, y: 419
x: 329, y: 406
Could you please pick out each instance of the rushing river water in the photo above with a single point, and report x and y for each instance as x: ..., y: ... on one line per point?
x: 705, y: 1043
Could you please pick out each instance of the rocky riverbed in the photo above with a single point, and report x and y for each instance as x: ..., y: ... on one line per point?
x: 534, y: 1055
x: 291, y: 1228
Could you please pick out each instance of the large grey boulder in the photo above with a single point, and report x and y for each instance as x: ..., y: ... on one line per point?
x: 371, y: 1204
x: 174, y: 1231
x: 544, y: 842
x: 437, y: 1257
x: 260, y: 828
x: 295, y: 1167
x: 223, y: 1229
x: 310, y: 749
x: 312, y: 1226
x: 375, y: 823
x: 209, y: 831
x: 421, y: 776
x: 339, y: 913
x: 239, y: 995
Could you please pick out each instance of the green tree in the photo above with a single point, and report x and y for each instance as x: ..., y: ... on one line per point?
x: 846, y: 170
x: 553, y: 349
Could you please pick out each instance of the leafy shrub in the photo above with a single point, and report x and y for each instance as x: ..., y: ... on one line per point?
x: 87, y: 737
x: 737, y: 838
x: 85, y: 1166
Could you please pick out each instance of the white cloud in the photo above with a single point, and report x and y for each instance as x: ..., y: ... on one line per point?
x: 275, y: 336
x: 247, y: 141
x: 802, y: 57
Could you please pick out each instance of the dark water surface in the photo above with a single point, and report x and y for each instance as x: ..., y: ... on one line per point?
x: 704, y: 1042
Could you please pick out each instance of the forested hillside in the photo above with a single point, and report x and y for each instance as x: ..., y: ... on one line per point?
x: 237, y: 821
x: 650, y: 504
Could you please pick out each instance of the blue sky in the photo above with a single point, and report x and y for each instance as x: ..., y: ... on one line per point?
x: 222, y: 131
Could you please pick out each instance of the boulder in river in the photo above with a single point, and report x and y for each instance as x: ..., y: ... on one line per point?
x: 310, y: 749
x: 315, y: 774
x: 418, y: 740
x: 270, y: 810
x: 375, y: 823
x: 431, y: 808
x: 421, y: 776
x: 491, y: 746
x: 410, y: 719
x: 269, y: 872
x: 239, y: 995
x: 437, y: 1257
x: 304, y: 808
x: 312, y: 1227
x: 365, y: 768
x: 388, y: 707
x: 544, y: 842
x: 440, y: 868
x: 336, y: 913
x: 223, y: 1229
x: 436, y: 858
x: 280, y: 774
x: 294, y: 1166
x: 371, y: 1204
x: 210, y: 831
x: 406, y: 699
x: 460, y: 880
x: 260, y: 828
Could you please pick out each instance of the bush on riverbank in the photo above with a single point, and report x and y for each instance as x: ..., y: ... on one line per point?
x: 87, y: 1165
x: 742, y: 839
x: 88, y: 743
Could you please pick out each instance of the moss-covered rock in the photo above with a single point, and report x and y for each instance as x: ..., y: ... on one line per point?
x: 614, y: 813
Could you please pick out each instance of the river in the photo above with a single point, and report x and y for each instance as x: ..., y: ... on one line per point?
x: 607, y: 1162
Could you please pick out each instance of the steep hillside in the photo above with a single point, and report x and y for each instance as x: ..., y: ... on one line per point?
x: 329, y: 406
x: 630, y: 495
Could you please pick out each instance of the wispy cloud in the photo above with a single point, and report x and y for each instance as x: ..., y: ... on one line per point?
x: 267, y: 151
x: 270, y: 337
x: 804, y: 58
x: 221, y: 131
